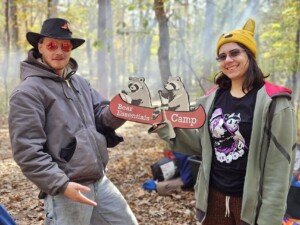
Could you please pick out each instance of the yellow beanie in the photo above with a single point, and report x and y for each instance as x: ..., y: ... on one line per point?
x: 244, y: 36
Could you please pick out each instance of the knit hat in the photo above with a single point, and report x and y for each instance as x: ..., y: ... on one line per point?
x: 243, y: 36
x: 56, y: 28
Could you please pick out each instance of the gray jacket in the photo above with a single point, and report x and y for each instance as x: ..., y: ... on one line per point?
x: 54, y: 126
x: 270, y: 159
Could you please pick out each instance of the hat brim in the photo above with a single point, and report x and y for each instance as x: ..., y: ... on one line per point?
x: 33, y: 39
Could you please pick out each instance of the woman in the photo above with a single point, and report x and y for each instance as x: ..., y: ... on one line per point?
x: 247, y: 150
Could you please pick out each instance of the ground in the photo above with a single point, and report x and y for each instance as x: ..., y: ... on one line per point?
x: 128, y: 168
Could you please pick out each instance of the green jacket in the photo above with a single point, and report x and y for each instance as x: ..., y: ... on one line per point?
x: 269, y: 166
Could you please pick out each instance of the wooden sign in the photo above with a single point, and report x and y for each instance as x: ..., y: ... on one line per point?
x: 136, y: 105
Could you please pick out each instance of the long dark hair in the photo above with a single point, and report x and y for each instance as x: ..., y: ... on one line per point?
x: 254, y: 76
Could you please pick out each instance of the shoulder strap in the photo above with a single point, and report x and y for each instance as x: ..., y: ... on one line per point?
x: 271, y: 115
x: 270, y: 119
x: 269, y: 133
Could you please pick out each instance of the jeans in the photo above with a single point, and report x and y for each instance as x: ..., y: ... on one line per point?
x: 111, y: 207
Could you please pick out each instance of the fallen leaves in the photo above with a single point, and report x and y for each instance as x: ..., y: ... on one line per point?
x: 128, y: 169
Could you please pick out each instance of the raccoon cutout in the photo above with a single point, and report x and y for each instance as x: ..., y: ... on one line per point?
x: 175, y: 98
x: 139, y: 94
x: 174, y: 109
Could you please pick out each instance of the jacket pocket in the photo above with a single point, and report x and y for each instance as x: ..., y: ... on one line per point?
x: 67, y: 152
x: 83, y: 160
x: 101, y: 145
x: 199, y: 180
x: 201, y: 190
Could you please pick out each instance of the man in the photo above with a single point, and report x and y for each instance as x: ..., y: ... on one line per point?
x: 57, y: 128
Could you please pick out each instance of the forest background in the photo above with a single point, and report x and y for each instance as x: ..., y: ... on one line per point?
x: 154, y: 39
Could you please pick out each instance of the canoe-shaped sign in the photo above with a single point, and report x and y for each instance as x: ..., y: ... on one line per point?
x: 152, y: 115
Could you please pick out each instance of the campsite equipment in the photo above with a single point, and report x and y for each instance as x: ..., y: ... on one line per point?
x: 195, y: 162
x: 165, y: 168
x: 5, y: 217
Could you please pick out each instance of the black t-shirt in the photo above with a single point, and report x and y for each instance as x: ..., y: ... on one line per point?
x: 230, y: 126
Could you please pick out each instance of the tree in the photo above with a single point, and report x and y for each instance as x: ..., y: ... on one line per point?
x: 113, y: 76
x: 296, y: 72
x: 6, y: 62
x: 206, y: 37
x: 144, y: 38
x: 101, y: 48
x: 52, y: 8
x: 164, y: 41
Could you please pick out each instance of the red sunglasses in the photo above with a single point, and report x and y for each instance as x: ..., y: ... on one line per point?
x: 53, y: 45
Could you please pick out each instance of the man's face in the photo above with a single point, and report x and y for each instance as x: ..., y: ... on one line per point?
x: 56, y: 53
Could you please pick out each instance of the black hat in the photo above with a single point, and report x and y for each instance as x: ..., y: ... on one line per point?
x: 54, y: 28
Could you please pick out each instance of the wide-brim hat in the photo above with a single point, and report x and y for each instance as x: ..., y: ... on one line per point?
x: 56, y: 28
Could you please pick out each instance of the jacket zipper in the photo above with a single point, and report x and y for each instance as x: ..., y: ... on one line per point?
x: 77, y: 103
x: 68, y: 83
x: 82, y: 115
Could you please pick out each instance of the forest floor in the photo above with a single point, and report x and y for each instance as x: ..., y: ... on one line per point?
x: 128, y: 169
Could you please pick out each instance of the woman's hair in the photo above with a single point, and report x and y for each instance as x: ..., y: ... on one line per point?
x: 254, y: 76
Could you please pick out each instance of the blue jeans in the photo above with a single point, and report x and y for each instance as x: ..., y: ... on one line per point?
x: 111, y: 207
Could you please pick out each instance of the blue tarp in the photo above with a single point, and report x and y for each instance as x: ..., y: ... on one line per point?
x: 185, y: 170
x: 5, y: 218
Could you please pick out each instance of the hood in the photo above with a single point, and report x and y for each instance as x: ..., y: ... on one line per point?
x: 271, y: 89
x: 275, y: 90
x: 32, y: 67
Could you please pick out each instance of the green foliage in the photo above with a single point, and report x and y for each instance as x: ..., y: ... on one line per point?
x: 98, y: 44
x: 131, y: 7
x: 134, y: 37
x: 277, y: 39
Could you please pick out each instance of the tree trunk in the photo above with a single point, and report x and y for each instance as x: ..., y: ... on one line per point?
x: 89, y: 54
x: 113, y: 76
x: 144, y: 56
x: 124, y: 58
x: 164, y: 41
x: 15, y: 54
x: 207, y: 40
x: 101, y: 50
x: 14, y: 25
x: 52, y: 8
x: 145, y: 41
x: 296, y: 73
x: 7, y: 52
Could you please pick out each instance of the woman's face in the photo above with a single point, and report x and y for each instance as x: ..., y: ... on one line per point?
x: 233, y: 61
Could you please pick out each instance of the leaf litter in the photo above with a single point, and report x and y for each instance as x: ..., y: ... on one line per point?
x: 128, y: 169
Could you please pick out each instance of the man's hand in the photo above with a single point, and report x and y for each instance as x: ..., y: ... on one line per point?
x: 73, y: 192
